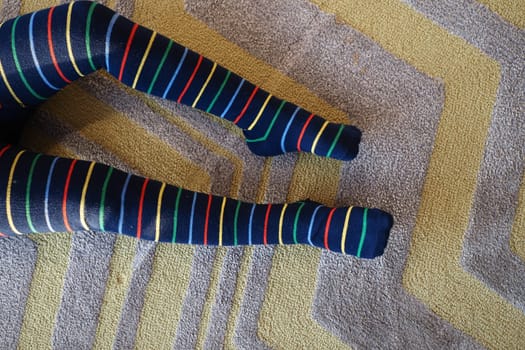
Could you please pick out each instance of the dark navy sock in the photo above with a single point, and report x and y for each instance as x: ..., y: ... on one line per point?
x: 42, y: 52
x: 46, y: 194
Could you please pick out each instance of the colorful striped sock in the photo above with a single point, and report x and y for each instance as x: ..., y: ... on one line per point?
x: 56, y: 194
x: 43, y: 51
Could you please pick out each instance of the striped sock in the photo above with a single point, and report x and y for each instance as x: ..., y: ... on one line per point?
x: 58, y: 194
x: 43, y: 51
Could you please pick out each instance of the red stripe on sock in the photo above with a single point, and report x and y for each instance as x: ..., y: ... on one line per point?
x: 141, y: 207
x: 327, y: 228
x: 239, y: 117
x: 50, y: 43
x: 207, y: 220
x: 265, y: 234
x: 64, y: 199
x: 303, y: 131
x: 126, y: 53
x: 4, y: 150
x: 190, y: 80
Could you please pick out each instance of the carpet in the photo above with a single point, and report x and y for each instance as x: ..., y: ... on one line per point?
x: 438, y: 89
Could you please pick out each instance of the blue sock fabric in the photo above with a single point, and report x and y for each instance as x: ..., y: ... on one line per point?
x: 56, y: 194
x: 42, y: 52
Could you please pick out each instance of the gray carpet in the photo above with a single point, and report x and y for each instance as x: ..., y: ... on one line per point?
x: 438, y: 88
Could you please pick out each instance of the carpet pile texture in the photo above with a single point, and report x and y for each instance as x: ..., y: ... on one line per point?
x: 438, y: 89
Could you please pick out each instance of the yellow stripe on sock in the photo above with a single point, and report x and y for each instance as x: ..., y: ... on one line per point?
x: 221, y: 220
x: 83, y: 198
x: 345, y: 228
x: 6, y: 82
x: 205, y: 84
x: 314, y: 145
x: 4, y: 78
x: 8, y: 196
x: 143, y: 61
x: 159, y: 206
x: 68, y: 39
x: 260, y: 112
x: 281, y: 219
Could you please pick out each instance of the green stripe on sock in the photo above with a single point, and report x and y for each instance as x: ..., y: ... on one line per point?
x: 164, y: 57
x: 235, y: 222
x: 271, y: 124
x: 103, y: 200
x: 336, y: 139
x: 88, y: 37
x: 363, y: 233
x: 175, y: 216
x: 296, y: 221
x: 28, y: 192
x: 17, y: 63
x: 219, y: 92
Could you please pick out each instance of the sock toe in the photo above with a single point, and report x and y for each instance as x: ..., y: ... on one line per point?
x: 340, y: 142
x: 379, y: 224
x: 347, y: 146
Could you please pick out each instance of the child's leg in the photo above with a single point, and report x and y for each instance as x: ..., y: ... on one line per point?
x: 57, y: 194
x: 42, y: 52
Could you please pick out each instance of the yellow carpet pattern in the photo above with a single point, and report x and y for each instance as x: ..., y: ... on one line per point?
x: 443, y: 91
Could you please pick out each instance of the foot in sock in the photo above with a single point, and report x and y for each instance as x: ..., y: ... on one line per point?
x: 42, y: 52
x: 58, y: 194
